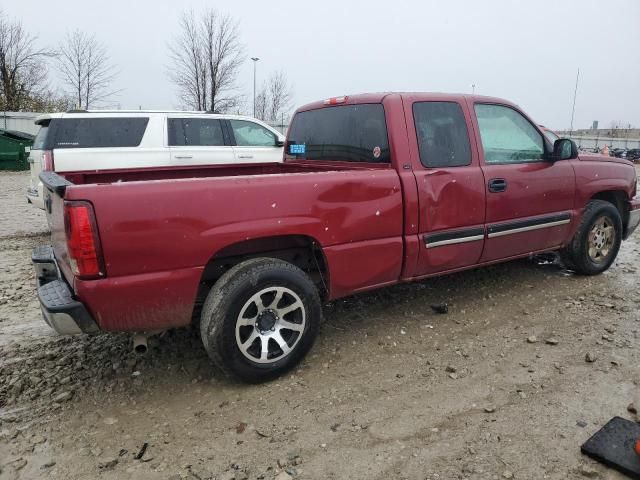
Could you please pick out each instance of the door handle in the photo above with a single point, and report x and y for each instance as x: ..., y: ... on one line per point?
x: 183, y: 157
x: 245, y: 156
x: 497, y: 185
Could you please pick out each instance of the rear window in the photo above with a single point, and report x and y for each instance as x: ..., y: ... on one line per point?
x: 41, y: 137
x: 349, y: 133
x: 96, y: 132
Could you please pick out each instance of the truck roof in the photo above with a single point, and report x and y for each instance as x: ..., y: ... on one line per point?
x: 379, y: 97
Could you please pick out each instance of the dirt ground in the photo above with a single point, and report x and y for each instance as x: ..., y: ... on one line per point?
x: 499, y: 387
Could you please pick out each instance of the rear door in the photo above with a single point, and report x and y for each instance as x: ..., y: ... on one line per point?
x: 450, y: 185
x: 198, y: 141
x: 529, y: 198
x: 254, y: 142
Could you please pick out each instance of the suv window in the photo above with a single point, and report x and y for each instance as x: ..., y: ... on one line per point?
x: 443, y: 140
x: 507, y: 136
x: 41, y: 137
x: 195, y: 132
x: 350, y: 133
x: 96, y: 132
x: 250, y: 134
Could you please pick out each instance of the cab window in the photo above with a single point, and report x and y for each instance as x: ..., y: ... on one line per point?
x: 346, y: 133
x: 507, y: 136
x: 443, y: 140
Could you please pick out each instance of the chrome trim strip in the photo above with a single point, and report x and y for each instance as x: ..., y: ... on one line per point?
x: 527, y: 229
x: 452, y: 241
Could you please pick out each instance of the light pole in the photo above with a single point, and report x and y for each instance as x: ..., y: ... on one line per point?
x: 473, y: 89
x: 255, y: 61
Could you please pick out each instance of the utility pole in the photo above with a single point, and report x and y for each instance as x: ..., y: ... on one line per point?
x: 573, y: 110
x: 473, y: 89
x: 255, y: 61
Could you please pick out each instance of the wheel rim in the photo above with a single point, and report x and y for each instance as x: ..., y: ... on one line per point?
x: 601, y: 239
x: 270, y: 324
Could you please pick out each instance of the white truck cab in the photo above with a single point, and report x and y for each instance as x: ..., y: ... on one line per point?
x: 77, y: 141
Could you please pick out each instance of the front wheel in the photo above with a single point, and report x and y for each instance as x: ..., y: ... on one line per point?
x: 597, y: 241
x: 260, y: 318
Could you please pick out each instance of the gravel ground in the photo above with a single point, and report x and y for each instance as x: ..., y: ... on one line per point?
x: 529, y: 362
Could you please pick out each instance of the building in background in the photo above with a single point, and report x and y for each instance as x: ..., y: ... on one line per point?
x: 19, y: 121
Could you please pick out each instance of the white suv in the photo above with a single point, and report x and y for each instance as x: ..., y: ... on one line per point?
x: 104, y: 140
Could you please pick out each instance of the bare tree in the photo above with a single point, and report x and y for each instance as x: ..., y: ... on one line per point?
x: 23, y: 69
x: 205, y: 59
x: 86, y: 71
x: 280, y: 94
x: 262, y: 103
x: 273, y: 98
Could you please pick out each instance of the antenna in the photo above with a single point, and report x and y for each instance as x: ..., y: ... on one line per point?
x: 573, y: 110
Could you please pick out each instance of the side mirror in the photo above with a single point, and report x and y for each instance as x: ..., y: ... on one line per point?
x: 564, y: 149
x: 279, y: 142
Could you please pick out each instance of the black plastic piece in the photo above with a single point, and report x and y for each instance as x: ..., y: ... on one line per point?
x: 42, y: 254
x: 55, y: 182
x: 458, y: 234
x: 613, y: 445
x: 497, y: 185
x: 56, y: 297
x: 505, y: 227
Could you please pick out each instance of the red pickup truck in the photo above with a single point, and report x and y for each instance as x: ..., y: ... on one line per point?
x: 375, y: 189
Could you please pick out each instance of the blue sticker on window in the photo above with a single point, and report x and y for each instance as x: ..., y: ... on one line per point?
x: 296, y: 148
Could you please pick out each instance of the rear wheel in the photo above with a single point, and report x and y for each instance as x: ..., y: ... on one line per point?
x: 260, y: 318
x: 596, y: 243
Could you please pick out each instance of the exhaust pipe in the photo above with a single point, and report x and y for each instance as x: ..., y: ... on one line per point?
x: 140, y: 346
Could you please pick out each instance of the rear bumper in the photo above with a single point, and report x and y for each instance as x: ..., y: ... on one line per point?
x: 60, y: 310
x: 35, y: 196
x: 634, y: 217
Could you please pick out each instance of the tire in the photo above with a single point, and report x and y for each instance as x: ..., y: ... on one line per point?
x: 581, y: 253
x: 234, y: 329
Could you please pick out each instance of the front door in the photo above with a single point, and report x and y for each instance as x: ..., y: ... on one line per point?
x: 450, y: 186
x: 254, y: 143
x: 529, y: 198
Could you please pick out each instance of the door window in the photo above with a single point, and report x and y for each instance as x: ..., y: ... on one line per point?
x: 507, y: 136
x: 443, y: 140
x: 250, y: 134
x: 195, y: 132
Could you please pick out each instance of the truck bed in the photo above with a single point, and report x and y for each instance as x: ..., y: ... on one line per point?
x: 159, y: 229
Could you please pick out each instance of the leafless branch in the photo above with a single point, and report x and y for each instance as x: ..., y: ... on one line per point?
x: 86, y: 72
x: 205, y: 58
x: 23, y: 69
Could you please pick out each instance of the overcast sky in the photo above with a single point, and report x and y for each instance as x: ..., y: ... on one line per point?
x: 525, y: 51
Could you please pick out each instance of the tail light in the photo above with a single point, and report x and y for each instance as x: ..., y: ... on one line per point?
x: 47, y: 160
x: 83, y: 243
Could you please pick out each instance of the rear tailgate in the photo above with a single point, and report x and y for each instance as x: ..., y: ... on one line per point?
x: 53, y: 192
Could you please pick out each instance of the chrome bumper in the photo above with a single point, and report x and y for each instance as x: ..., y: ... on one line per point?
x: 632, y: 224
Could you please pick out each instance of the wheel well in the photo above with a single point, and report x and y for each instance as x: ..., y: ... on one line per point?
x: 618, y: 199
x: 299, y: 250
